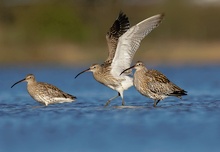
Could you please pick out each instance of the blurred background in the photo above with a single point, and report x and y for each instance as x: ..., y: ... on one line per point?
x: 56, y: 39
x: 72, y: 32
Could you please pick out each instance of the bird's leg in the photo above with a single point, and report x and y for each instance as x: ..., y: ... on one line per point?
x: 123, y: 102
x: 121, y: 95
x: 156, y: 102
x: 108, y: 102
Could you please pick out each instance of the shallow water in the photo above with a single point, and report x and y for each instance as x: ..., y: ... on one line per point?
x: 190, y: 124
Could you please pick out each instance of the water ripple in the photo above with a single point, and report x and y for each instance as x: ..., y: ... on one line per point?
x: 86, y: 125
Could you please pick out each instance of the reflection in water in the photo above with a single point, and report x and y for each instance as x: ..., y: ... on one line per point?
x: 190, y: 124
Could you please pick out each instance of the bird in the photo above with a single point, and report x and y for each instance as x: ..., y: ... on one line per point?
x: 45, y: 93
x: 153, y: 84
x: 123, y: 42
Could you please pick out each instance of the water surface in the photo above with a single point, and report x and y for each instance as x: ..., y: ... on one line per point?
x: 191, y: 124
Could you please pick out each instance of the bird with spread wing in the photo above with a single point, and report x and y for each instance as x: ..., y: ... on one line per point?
x: 123, y: 42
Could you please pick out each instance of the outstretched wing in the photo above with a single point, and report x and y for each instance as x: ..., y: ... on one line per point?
x: 119, y: 27
x: 129, y: 42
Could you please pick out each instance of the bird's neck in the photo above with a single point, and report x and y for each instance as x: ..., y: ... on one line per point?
x: 32, y: 82
x: 142, y: 70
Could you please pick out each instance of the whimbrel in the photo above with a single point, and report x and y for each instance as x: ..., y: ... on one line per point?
x: 153, y: 84
x: 122, y: 45
x: 45, y: 93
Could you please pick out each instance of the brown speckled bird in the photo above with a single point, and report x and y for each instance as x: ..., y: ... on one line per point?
x: 153, y: 84
x: 45, y: 93
x: 122, y: 42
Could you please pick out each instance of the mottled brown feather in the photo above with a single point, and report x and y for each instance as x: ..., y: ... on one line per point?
x: 154, y: 84
x: 53, y: 91
x: 45, y: 93
x: 119, y: 27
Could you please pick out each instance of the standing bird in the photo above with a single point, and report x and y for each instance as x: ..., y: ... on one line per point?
x: 45, y: 93
x: 122, y: 42
x: 153, y: 84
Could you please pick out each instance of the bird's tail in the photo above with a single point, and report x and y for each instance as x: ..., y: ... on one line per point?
x: 178, y: 93
x: 66, y: 95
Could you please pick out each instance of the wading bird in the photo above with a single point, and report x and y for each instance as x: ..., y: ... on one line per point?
x: 153, y: 84
x: 45, y: 93
x: 122, y: 42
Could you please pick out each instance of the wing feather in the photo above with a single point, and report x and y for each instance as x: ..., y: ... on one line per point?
x: 129, y: 42
x: 119, y: 27
x: 53, y: 91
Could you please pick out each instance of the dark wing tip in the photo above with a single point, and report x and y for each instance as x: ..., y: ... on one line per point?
x: 162, y: 15
x: 179, y: 93
x: 73, y: 97
x: 123, y: 23
x: 66, y: 95
x: 121, y: 13
x: 120, y: 26
x: 184, y: 92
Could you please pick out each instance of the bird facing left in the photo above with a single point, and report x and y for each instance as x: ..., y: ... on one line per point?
x: 123, y: 42
x: 45, y: 93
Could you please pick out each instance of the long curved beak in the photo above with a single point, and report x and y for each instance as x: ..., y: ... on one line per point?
x: 17, y: 83
x: 127, y: 69
x: 82, y: 72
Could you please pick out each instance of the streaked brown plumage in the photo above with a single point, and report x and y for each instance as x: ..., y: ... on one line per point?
x: 123, y: 42
x: 45, y: 93
x: 101, y: 73
x: 153, y: 84
x: 119, y: 27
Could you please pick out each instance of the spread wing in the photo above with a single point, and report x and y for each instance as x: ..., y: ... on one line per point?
x: 119, y: 27
x: 129, y: 42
